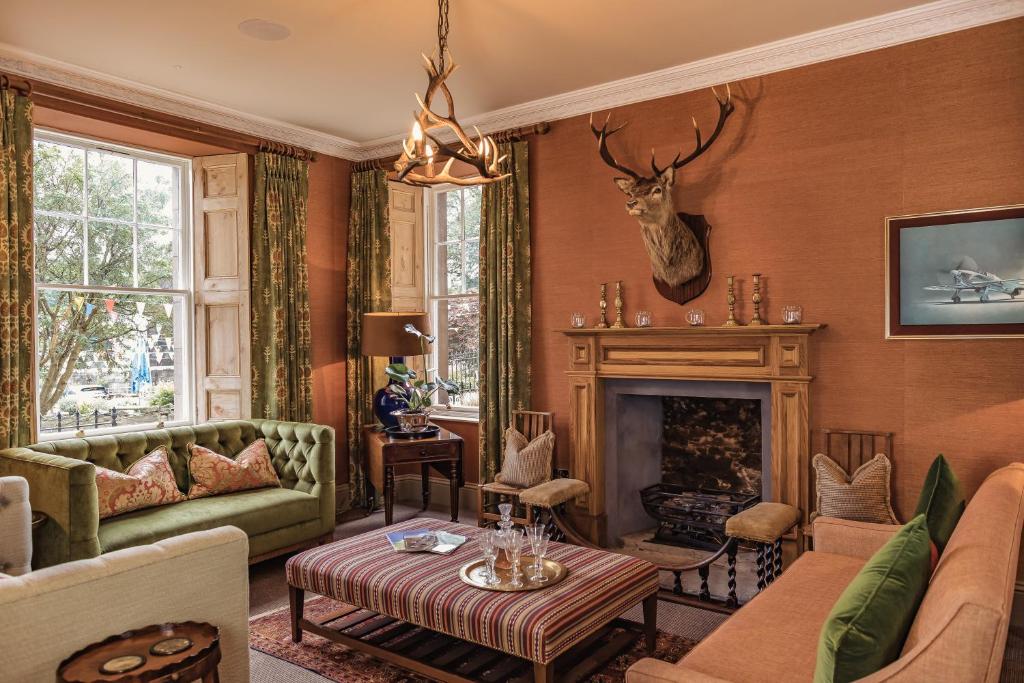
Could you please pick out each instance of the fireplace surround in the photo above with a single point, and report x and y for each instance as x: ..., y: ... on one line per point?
x: 776, y: 356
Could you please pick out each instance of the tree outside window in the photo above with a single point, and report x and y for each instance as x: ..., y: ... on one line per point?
x: 453, y: 289
x: 112, y: 288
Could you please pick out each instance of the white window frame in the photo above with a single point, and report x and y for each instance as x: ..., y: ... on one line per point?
x: 433, y: 299
x: 184, y: 348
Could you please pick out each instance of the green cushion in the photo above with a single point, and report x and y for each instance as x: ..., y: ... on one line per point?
x: 254, y: 512
x: 867, y: 626
x: 941, y: 502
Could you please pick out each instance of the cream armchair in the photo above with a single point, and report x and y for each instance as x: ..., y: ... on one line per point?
x: 48, y: 614
x: 15, y: 527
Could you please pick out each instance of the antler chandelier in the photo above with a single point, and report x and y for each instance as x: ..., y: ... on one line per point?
x: 416, y: 164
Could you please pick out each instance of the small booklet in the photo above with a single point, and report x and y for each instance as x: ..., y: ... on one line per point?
x: 425, y: 540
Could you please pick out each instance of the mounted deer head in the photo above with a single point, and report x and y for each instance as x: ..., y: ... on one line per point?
x: 675, y: 252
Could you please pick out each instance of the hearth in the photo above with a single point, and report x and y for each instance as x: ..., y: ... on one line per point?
x: 693, y: 518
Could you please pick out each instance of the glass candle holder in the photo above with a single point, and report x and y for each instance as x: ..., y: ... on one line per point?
x: 578, y: 320
x: 792, y: 315
x: 643, y: 319
x: 695, y: 316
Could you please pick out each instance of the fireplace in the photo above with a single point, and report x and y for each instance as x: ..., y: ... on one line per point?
x: 773, y: 358
x: 683, y: 456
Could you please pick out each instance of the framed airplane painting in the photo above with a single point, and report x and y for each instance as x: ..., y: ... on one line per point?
x: 958, y: 274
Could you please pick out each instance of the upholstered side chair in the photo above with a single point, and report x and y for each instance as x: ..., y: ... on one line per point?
x: 530, y: 424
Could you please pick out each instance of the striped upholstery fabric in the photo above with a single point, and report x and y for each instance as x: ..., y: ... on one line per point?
x: 864, y: 497
x: 526, y: 464
x: 425, y: 589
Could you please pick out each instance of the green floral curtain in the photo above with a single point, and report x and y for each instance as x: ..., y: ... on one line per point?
x: 505, y: 308
x: 282, y: 386
x: 17, y: 341
x: 369, y: 290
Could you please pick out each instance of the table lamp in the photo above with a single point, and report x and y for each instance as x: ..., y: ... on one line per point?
x: 385, y: 334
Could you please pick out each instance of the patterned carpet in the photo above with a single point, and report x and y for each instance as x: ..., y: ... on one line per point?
x: 271, y: 634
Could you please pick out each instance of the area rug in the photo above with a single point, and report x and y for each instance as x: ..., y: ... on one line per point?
x: 271, y: 633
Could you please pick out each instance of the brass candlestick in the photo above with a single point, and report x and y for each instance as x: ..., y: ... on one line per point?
x: 730, y: 298
x: 756, y: 298
x: 619, y: 322
x: 603, y: 322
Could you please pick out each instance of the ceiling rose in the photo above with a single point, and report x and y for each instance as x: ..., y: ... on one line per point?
x: 261, y: 29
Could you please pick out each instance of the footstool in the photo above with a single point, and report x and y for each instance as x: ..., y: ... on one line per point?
x: 424, y: 589
x: 764, y: 525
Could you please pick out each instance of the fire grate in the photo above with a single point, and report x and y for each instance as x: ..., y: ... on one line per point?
x: 693, y: 518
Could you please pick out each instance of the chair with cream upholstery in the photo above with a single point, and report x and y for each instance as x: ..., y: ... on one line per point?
x: 530, y: 424
x: 15, y: 527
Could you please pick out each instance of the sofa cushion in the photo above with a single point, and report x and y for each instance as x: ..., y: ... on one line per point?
x: 867, y: 626
x: 254, y: 512
x: 148, y: 482
x: 213, y: 473
x: 941, y: 502
x: 777, y: 632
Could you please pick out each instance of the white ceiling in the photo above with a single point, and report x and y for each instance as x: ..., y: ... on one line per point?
x: 350, y: 67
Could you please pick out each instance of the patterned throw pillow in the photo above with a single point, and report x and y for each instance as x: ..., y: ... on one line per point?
x: 526, y: 464
x: 864, y: 497
x: 213, y: 473
x: 148, y: 482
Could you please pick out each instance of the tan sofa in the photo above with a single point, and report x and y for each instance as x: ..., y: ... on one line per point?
x: 959, y: 633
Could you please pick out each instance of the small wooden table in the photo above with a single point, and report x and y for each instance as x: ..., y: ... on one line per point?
x: 191, y: 661
x: 443, y: 452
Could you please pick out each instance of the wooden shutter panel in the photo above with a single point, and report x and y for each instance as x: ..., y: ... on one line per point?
x: 223, y: 367
x: 405, y: 216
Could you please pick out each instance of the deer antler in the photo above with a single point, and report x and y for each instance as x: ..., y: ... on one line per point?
x: 602, y: 136
x: 725, y: 108
x: 481, y: 153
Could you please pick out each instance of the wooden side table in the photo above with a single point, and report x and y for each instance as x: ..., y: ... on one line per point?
x: 161, y: 653
x: 443, y: 452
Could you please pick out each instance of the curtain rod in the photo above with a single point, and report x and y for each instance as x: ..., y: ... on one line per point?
x: 511, y: 135
x: 79, y: 103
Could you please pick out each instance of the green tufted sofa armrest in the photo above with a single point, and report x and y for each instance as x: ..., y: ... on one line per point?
x: 65, y: 489
x: 303, y: 455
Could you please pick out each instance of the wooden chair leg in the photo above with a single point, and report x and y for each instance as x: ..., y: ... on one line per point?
x: 732, y: 600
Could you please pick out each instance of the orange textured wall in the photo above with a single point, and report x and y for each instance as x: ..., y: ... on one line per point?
x: 327, y: 216
x: 797, y: 188
x: 327, y: 242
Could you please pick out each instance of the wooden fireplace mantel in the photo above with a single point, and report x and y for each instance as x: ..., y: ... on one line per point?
x: 775, y: 354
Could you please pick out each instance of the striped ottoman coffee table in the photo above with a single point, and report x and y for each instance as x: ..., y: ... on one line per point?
x: 383, y: 589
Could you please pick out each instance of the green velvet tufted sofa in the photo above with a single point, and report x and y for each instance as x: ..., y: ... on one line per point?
x: 62, y: 483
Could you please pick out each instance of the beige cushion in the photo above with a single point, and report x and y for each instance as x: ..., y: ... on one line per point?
x: 554, y: 492
x: 526, y: 464
x: 774, y: 637
x: 765, y: 522
x: 864, y: 497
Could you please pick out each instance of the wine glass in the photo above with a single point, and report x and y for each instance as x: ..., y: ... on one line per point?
x: 539, y: 545
x: 488, y: 541
x: 513, y: 550
x: 537, y: 535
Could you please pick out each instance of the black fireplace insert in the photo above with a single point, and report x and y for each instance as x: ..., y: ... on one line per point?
x: 693, y: 518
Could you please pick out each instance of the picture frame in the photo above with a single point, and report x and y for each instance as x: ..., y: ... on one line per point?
x: 955, y: 274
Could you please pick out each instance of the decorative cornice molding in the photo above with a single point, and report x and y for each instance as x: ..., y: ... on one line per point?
x: 887, y: 30
x: 29, y: 65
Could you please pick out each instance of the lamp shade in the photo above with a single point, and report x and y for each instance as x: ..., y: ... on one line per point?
x: 384, y: 334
